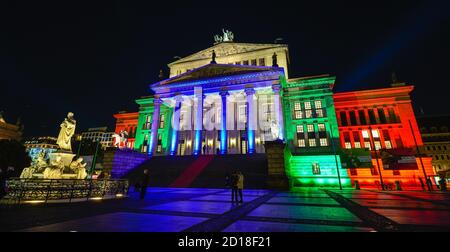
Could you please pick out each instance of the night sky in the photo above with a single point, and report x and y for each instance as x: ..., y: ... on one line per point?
x: 95, y: 59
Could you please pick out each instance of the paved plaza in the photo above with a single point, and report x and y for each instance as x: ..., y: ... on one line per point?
x: 210, y: 210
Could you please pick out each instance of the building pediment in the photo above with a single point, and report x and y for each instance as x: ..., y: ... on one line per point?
x: 216, y: 70
x: 226, y: 49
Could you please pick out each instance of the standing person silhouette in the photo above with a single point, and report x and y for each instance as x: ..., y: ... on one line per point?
x: 240, y: 185
x: 234, y: 186
x: 144, y: 184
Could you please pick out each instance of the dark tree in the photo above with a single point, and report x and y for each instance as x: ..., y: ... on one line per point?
x: 12, y: 153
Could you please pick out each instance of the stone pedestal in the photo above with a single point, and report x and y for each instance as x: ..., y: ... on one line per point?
x: 276, y: 178
x: 66, y: 157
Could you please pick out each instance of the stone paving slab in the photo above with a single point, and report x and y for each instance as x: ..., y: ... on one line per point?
x: 399, y: 204
x: 225, y: 198
x: 296, y: 200
x: 122, y: 222
x: 304, y: 212
x: 416, y: 217
x: 195, y: 207
x: 263, y: 226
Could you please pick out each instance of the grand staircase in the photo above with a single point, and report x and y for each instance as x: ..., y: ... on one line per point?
x: 207, y: 171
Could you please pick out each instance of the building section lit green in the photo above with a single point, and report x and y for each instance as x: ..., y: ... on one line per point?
x: 312, y: 136
x: 143, y: 130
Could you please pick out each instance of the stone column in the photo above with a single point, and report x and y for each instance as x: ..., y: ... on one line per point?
x: 155, y: 125
x: 198, y: 123
x: 175, y: 125
x: 377, y: 116
x: 358, y: 121
x: 347, y: 115
x: 278, y: 110
x: 223, y: 122
x: 251, y: 122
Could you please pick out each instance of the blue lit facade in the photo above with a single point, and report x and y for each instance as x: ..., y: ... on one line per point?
x: 210, y: 111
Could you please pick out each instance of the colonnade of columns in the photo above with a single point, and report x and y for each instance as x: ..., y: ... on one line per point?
x: 251, y: 122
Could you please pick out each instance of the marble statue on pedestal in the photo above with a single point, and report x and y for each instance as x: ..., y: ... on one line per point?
x: 79, y: 168
x: 66, y: 133
x: 55, y: 170
x: 37, y: 166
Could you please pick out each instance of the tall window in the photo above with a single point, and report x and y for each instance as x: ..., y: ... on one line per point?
x: 298, y: 113
x: 323, y: 142
x: 365, y: 134
x: 300, y: 136
x: 245, y: 62
x: 308, y: 111
x: 356, y: 139
x: 372, y: 117
x: 159, y: 145
x: 162, y: 121
x: 318, y: 107
x: 312, y: 142
x: 343, y: 118
x: 262, y: 62
x: 301, y: 142
x: 321, y: 127
x: 318, y: 104
x: 362, y: 117
x: 352, y: 118
x: 148, y: 122
x: 253, y: 62
x: 392, y: 116
x: 382, y: 115
x: 242, y: 116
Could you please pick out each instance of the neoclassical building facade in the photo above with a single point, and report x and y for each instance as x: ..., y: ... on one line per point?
x: 233, y: 98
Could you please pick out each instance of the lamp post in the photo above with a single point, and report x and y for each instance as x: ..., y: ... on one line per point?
x: 79, y: 147
x: 94, y: 159
x: 420, y: 157
x: 372, y: 143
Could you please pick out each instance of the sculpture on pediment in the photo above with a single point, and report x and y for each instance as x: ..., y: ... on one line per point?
x: 218, y: 39
x: 228, y: 36
x: 66, y: 133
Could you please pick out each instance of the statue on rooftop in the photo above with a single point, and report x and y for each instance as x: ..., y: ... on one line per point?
x: 274, y: 60
x: 213, y: 61
x: 227, y: 35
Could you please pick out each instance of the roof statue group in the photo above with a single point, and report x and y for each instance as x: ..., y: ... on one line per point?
x: 228, y: 36
x: 59, y: 164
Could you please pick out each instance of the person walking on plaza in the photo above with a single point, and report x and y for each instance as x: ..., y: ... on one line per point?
x: 144, y: 184
x: 240, y: 185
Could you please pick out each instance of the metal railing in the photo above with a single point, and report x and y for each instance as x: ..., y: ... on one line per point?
x: 63, y: 190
